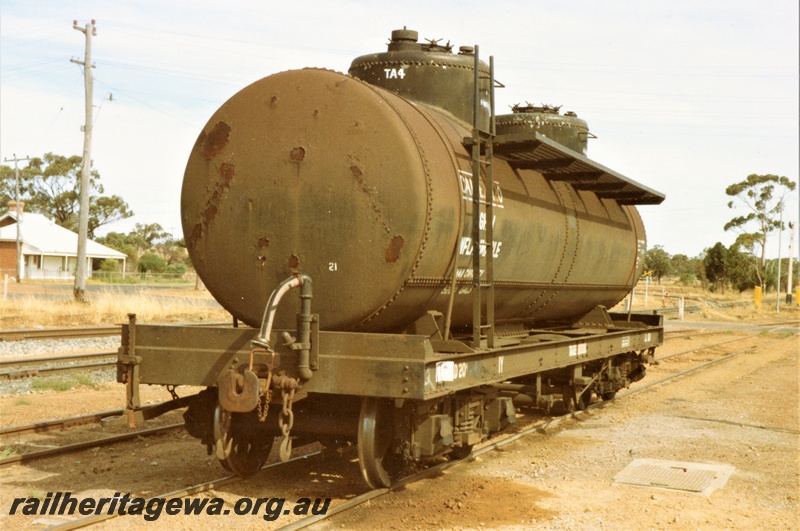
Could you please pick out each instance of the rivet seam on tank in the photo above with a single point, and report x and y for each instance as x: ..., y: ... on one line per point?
x: 371, y: 64
x: 428, y: 210
x: 528, y: 311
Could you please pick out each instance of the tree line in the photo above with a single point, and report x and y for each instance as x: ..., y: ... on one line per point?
x: 718, y: 269
x: 50, y: 185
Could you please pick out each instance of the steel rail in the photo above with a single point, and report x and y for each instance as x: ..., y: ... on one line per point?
x: 667, y: 356
x: 43, y: 360
x: 65, y: 357
x: 86, y: 444
x: 29, y: 373
x: 51, y: 425
x: 181, y: 493
x: 692, y: 369
x: 69, y: 422
x: 685, y: 334
x: 59, y: 333
x: 80, y: 331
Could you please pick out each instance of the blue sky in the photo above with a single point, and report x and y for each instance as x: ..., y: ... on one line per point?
x: 684, y: 96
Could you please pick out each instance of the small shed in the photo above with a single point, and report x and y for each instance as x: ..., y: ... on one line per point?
x: 49, y: 251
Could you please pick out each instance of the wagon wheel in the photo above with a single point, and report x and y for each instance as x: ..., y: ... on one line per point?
x: 378, y: 463
x: 240, y: 447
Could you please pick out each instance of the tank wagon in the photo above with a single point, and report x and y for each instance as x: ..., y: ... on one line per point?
x: 408, y: 265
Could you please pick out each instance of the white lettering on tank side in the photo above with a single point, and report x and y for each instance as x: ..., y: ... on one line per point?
x: 500, y: 361
x: 462, y: 273
x: 573, y: 350
x: 581, y: 349
x: 465, y: 181
x: 445, y: 371
x: 394, y: 73
x: 648, y: 337
x: 465, y: 247
x: 626, y: 341
x: 482, y: 221
x: 333, y: 266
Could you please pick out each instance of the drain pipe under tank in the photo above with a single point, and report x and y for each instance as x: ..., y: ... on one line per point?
x: 304, y: 318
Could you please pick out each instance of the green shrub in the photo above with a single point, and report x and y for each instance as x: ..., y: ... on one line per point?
x: 109, y: 265
x: 151, y: 263
x: 175, y: 270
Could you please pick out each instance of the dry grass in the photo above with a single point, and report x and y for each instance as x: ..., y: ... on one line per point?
x: 105, y: 309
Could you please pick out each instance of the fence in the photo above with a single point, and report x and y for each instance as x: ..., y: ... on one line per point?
x: 125, y: 277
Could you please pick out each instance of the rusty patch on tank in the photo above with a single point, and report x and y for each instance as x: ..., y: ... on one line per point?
x: 227, y: 171
x: 293, y: 262
x: 297, y: 154
x: 216, y: 140
x: 393, y: 251
x: 210, y: 213
x: 197, y: 233
x: 263, y: 243
x: 371, y: 194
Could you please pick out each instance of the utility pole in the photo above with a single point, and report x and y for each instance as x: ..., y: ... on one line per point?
x: 778, y: 290
x: 19, y: 214
x: 83, y: 214
x: 792, y: 226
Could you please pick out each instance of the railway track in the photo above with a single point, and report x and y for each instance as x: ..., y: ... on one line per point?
x: 59, y: 333
x: 27, y: 367
x: 78, y: 331
x: 148, y: 412
x: 536, y: 427
x: 70, y: 422
x: 69, y: 448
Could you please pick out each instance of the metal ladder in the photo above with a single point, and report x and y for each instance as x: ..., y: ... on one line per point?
x: 482, y: 139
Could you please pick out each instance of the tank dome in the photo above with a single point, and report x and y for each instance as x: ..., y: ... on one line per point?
x: 566, y: 129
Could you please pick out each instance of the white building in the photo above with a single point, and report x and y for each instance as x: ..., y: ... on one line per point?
x: 49, y: 251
